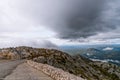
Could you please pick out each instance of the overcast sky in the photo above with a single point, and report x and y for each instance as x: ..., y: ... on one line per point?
x: 50, y: 23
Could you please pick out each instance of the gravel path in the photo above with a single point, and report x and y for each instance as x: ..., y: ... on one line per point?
x: 26, y: 72
x: 6, y: 67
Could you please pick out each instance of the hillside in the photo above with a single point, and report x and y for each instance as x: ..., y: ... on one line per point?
x: 76, y: 64
x: 111, y: 56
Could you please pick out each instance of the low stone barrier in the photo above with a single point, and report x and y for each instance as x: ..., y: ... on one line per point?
x: 55, y: 73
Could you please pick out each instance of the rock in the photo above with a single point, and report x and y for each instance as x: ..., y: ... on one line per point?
x: 55, y: 73
x: 75, y: 65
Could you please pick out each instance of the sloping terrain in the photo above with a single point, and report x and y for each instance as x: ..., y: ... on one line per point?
x: 111, y: 56
x: 76, y: 64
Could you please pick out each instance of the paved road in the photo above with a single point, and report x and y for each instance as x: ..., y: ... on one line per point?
x: 19, y: 70
x: 26, y: 72
x: 6, y: 67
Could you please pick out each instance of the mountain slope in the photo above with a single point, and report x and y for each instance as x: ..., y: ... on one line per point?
x: 76, y: 64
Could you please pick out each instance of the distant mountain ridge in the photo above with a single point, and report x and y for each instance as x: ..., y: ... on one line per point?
x: 111, y: 55
x: 75, y: 64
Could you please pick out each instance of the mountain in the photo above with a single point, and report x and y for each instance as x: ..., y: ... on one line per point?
x: 109, y: 53
x: 91, y: 53
x: 106, y: 54
x: 75, y: 64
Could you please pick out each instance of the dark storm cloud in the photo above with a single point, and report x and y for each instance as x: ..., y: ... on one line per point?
x: 71, y: 19
x: 89, y: 19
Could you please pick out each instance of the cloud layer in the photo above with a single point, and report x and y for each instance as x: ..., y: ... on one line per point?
x: 74, y: 20
x: 37, y: 43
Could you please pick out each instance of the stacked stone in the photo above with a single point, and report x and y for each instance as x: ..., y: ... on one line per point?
x: 55, y: 73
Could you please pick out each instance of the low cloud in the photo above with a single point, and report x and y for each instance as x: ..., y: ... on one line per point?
x: 37, y: 43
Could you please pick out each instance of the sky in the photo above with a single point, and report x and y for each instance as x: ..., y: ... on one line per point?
x: 51, y: 23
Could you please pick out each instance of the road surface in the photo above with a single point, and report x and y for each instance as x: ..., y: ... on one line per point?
x: 6, y: 67
x: 19, y: 70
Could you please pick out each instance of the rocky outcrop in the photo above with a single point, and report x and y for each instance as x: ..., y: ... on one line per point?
x: 76, y: 65
x: 55, y: 73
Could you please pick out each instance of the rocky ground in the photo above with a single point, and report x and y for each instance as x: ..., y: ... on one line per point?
x: 74, y: 64
x: 53, y: 72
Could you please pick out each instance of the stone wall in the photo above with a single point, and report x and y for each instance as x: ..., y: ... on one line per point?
x: 55, y: 73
